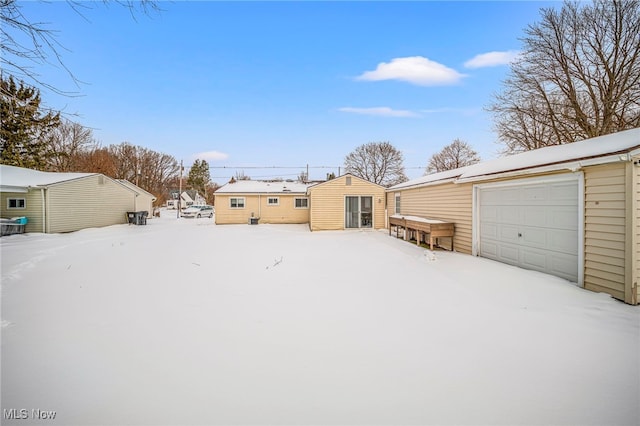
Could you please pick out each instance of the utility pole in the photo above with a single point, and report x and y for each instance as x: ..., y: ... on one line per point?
x: 180, y: 192
x: 307, y: 173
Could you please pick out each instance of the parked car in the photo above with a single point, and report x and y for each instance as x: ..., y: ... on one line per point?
x: 198, y: 211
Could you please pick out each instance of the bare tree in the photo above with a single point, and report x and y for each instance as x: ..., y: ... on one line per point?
x: 455, y: 155
x: 64, y: 145
x: 578, y: 77
x: 26, y: 44
x: 377, y: 162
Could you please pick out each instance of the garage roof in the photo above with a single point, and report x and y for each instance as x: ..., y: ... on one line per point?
x: 19, y: 179
x: 588, y: 149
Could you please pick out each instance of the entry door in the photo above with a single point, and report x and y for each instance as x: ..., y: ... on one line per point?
x: 358, y: 212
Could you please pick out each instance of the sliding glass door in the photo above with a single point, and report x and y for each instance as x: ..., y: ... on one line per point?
x: 358, y: 212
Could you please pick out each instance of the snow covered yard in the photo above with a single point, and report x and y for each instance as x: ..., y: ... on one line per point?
x: 185, y: 322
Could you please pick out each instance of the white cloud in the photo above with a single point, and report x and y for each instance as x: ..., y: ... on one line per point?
x: 379, y: 111
x: 414, y: 69
x: 444, y: 110
x: 492, y: 59
x: 211, y: 155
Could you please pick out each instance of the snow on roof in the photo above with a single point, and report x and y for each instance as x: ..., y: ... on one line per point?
x: 261, y: 187
x: 601, y: 146
x: 19, y: 177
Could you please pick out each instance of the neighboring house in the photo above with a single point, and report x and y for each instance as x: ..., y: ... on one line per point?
x: 63, y: 202
x: 188, y: 198
x: 346, y: 202
x: 144, y: 200
x: 269, y: 202
x: 568, y: 210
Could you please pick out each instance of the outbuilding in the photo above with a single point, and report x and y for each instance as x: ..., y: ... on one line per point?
x: 63, y: 202
x: 568, y: 210
x: 347, y: 202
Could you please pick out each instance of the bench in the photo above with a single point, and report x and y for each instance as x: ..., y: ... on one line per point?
x: 434, y: 228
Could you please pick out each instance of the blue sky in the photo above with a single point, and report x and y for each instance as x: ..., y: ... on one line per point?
x: 254, y: 84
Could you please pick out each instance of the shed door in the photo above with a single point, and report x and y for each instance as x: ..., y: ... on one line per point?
x: 534, y: 226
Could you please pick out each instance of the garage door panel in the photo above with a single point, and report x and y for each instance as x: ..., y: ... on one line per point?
x: 508, y: 233
x: 563, y: 241
x: 489, y: 213
x: 489, y: 249
x: 563, y: 218
x: 534, y: 195
x: 509, y: 215
x: 564, y: 194
x: 489, y: 230
x: 534, y: 259
x: 508, y: 253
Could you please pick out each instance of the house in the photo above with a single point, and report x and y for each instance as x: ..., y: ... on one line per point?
x: 569, y: 210
x: 266, y: 202
x: 144, y: 200
x: 346, y: 202
x: 188, y: 198
x: 63, y: 202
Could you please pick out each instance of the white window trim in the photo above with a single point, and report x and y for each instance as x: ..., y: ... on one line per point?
x: 269, y: 203
x: 300, y: 198
x: 398, y: 200
x: 24, y: 202
x: 237, y: 198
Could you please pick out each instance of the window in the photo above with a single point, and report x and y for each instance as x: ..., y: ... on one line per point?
x: 301, y: 203
x: 397, y: 203
x: 16, y: 203
x: 236, y: 203
x: 348, y: 180
x: 273, y: 201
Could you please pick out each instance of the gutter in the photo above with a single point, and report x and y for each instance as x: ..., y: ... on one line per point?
x: 573, y: 166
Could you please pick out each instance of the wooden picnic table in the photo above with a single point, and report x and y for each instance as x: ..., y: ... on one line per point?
x: 421, y: 225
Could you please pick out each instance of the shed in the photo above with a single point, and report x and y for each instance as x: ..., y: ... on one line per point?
x: 63, y: 202
x: 266, y: 202
x: 347, y: 202
x: 569, y: 210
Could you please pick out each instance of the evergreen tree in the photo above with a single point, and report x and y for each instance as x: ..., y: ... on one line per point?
x: 199, y: 176
x: 23, y: 126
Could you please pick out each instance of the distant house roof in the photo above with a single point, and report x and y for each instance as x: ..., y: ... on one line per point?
x: 557, y: 155
x: 19, y: 179
x: 261, y: 187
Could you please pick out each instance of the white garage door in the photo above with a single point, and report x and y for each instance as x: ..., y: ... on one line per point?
x: 531, y: 225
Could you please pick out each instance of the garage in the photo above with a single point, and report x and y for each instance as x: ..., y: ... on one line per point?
x: 532, y: 223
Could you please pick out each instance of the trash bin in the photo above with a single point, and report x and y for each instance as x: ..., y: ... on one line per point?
x: 137, y: 218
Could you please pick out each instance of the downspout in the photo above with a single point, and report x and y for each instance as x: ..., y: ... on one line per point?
x: 44, y: 212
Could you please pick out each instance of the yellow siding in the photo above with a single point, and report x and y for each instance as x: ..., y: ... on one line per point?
x: 89, y: 202
x: 605, y: 226
x: 328, y: 202
x: 256, y: 205
x: 32, y: 211
x: 448, y: 202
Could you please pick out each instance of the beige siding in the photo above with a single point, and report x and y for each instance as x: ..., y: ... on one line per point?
x: 89, y: 202
x: 256, y: 205
x: 605, y: 229
x: 32, y: 210
x: 328, y: 202
x: 144, y: 202
x: 448, y: 202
